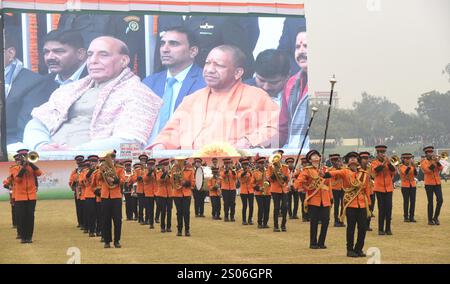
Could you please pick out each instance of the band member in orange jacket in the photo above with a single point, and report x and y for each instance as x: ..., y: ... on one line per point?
x: 278, y: 175
x: 431, y: 168
x: 8, y: 184
x: 82, y: 187
x: 365, y: 165
x: 214, y: 192
x: 318, y: 199
x: 246, y: 191
x: 262, y: 192
x: 301, y: 190
x: 183, y: 181
x: 229, y: 179
x: 73, y: 183
x: 111, y: 176
x: 384, y: 173
x: 24, y: 180
x: 150, y: 186
x: 356, y: 201
x: 199, y: 194
x: 89, y: 193
x: 293, y: 194
x: 127, y: 190
x: 408, y: 172
x: 143, y: 158
x: 164, y: 195
x: 336, y: 186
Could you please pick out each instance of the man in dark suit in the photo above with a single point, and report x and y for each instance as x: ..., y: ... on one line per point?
x: 213, y: 31
x: 178, y: 50
x: 24, y: 89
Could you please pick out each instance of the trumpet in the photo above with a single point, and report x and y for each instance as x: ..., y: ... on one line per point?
x: 32, y: 157
x: 395, y: 160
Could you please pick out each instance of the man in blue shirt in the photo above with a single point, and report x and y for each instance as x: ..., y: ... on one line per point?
x: 178, y: 50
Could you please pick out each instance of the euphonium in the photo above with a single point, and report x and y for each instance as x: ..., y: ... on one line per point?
x: 276, y: 166
x: 395, y: 160
x: 108, y: 171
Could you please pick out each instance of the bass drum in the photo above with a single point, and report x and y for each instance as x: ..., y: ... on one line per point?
x: 202, y: 175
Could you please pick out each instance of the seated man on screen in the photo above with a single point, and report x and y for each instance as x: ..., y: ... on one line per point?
x: 294, y: 114
x: 227, y: 110
x: 108, y: 107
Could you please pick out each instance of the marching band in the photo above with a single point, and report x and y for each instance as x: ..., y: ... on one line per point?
x: 351, y: 184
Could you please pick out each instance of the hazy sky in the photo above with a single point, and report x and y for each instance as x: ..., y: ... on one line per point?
x: 392, y: 48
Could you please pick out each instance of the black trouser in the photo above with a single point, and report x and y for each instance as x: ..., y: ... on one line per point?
x: 82, y: 215
x: 263, y: 209
x: 99, y: 217
x: 437, y: 190
x: 13, y: 215
x: 141, y: 204
x: 384, y: 200
x: 78, y: 211
x: 112, y: 212
x: 216, y: 206
x: 85, y: 215
x: 337, y: 196
x: 165, y: 207
x: 128, y: 206
x: 183, y: 205
x: 371, y: 207
x: 149, y: 204
x: 280, y: 200
x: 247, y: 199
x: 356, y: 216
x: 25, y: 218
x: 305, y: 215
x: 199, y: 202
x: 409, y: 202
x: 318, y: 213
x: 295, y: 196
x: 91, y: 214
x: 158, y: 209
x: 229, y: 203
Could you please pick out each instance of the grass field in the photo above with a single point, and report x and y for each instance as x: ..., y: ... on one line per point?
x: 220, y: 242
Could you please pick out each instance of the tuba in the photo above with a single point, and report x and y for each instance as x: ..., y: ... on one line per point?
x: 108, y: 171
x: 274, y: 160
x: 176, y: 172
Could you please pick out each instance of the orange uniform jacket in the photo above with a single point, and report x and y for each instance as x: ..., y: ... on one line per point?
x: 431, y: 176
x: 228, y: 180
x: 323, y: 196
x: 9, y: 182
x: 348, y: 177
x: 336, y: 182
x: 24, y: 186
x: 408, y: 178
x: 106, y: 192
x: 258, y: 180
x: 96, y: 182
x: 297, y: 181
x: 183, y: 191
x: 165, y: 188
x: 139, y: 184
x: 81, y: 182
x: 246, y: 182
x: 88, y: 189
x: 211, y: 183
x: 150, y: 184
x: 275, y: 186
x: 74, y: 178
x: 383, y: 179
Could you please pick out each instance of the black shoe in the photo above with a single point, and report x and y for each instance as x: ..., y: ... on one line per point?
x: 218, y: 218
x: 107, y: 246
x: 232, y: 220
x: 102, y: 240
x: 187, y: 234
x: 91, y: 235
x: 129, y: 219
x: 250, y: 222
x: 244, y: 223
x: 146, y: 223
x: 436, y: 221
x: 337, y: 224
x: 157, y: 221
x: 152, y: 227
x: 168, y: 230
x: 23, y: 241
x: 431, y: 222
x: 202, y: 216
x: 305, y: 220
x: 78, y: 226
x: 179, y: 234
x: 389, y: 232
x: 266, y: 226
x: 135, y: 219
x: 342, y: 224
x: 291, y: 217
x: 322, y: 246
x: 196, y: 215
x: 98, y: 234
x: 276, y: 229
x: 295, y: 217
x: 18, y: 237
x: 117, y: 244
x: 313, y: 246
x: 369, y: 229
x: 163, y: 230
x: 86, y: 231
x: 351, y: 253
x: 226, y: 219
x: 260, y: 226
x: 412, y: 220
x: 360, y: 253
x: 406, y: 220
x: 283, y: 229
x: 381, y: 233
